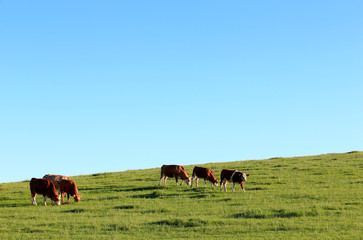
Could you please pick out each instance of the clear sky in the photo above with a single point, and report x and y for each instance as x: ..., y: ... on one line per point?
x: 103, y: 86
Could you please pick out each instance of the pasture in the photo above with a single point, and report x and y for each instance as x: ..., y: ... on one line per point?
x: 314, y: 197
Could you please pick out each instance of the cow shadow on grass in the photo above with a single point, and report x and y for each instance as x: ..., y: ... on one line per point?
x: 275, y: 213
x: 138, y: 189
x: 13, y: 205
x: 156, y: 194
x: 255, y: 189
x: 118, y: 189
x: 91, y: 188
x: 181, y: 223
x: 76, y: 210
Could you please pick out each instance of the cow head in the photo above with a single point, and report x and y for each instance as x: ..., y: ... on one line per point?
x: 77, y: 197
x: 215, y: 182
x: 240, y: 177
x: 56, y: 199
x: 187, y: 181
x: 244, y: 177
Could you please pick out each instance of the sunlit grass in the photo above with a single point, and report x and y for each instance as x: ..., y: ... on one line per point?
x: 317, y: 197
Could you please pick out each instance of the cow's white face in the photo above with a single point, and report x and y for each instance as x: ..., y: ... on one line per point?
x: 187, y: 181
x: 244, y: 177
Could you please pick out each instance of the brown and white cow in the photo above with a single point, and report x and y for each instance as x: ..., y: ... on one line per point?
x: 56, y: 179
x: 69, y: 187
x: 206, y: 174
x: 176, y: 171
x: 44, y: 187
x: 234, y: 176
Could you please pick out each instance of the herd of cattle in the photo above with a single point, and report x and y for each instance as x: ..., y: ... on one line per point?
x: 49, y: 184
x: 227, y: 175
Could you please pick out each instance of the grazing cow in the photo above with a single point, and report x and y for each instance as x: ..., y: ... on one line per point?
x: 44, y: 187
x: 56, y: 179
x: 234, y: 176
x: 176, y: 171
x: 69, y: 187
x: 206, y: 174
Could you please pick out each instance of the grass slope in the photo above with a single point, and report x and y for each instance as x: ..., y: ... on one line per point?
x: 315, y: 197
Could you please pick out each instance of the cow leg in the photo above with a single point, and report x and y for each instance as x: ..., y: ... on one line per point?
x: 161, y: 178
x: 67, y: 197
x: 205, y: 183
x: 233, y: 187
x: 191, y: 185
x: 196, y: 181
x: 33, y: 199
x: 44, y: 199
x: 223, y: 184
x: 243, y: 189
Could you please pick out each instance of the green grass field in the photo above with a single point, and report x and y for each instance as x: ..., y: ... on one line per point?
x: 315, y: 197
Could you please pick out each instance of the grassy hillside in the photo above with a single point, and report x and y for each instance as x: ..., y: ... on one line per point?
x: 316, y: 197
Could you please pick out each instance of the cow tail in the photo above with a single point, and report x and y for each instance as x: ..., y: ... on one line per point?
x: 161, y: 171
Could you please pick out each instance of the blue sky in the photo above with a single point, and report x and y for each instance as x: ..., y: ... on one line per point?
x: 104, y: 86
